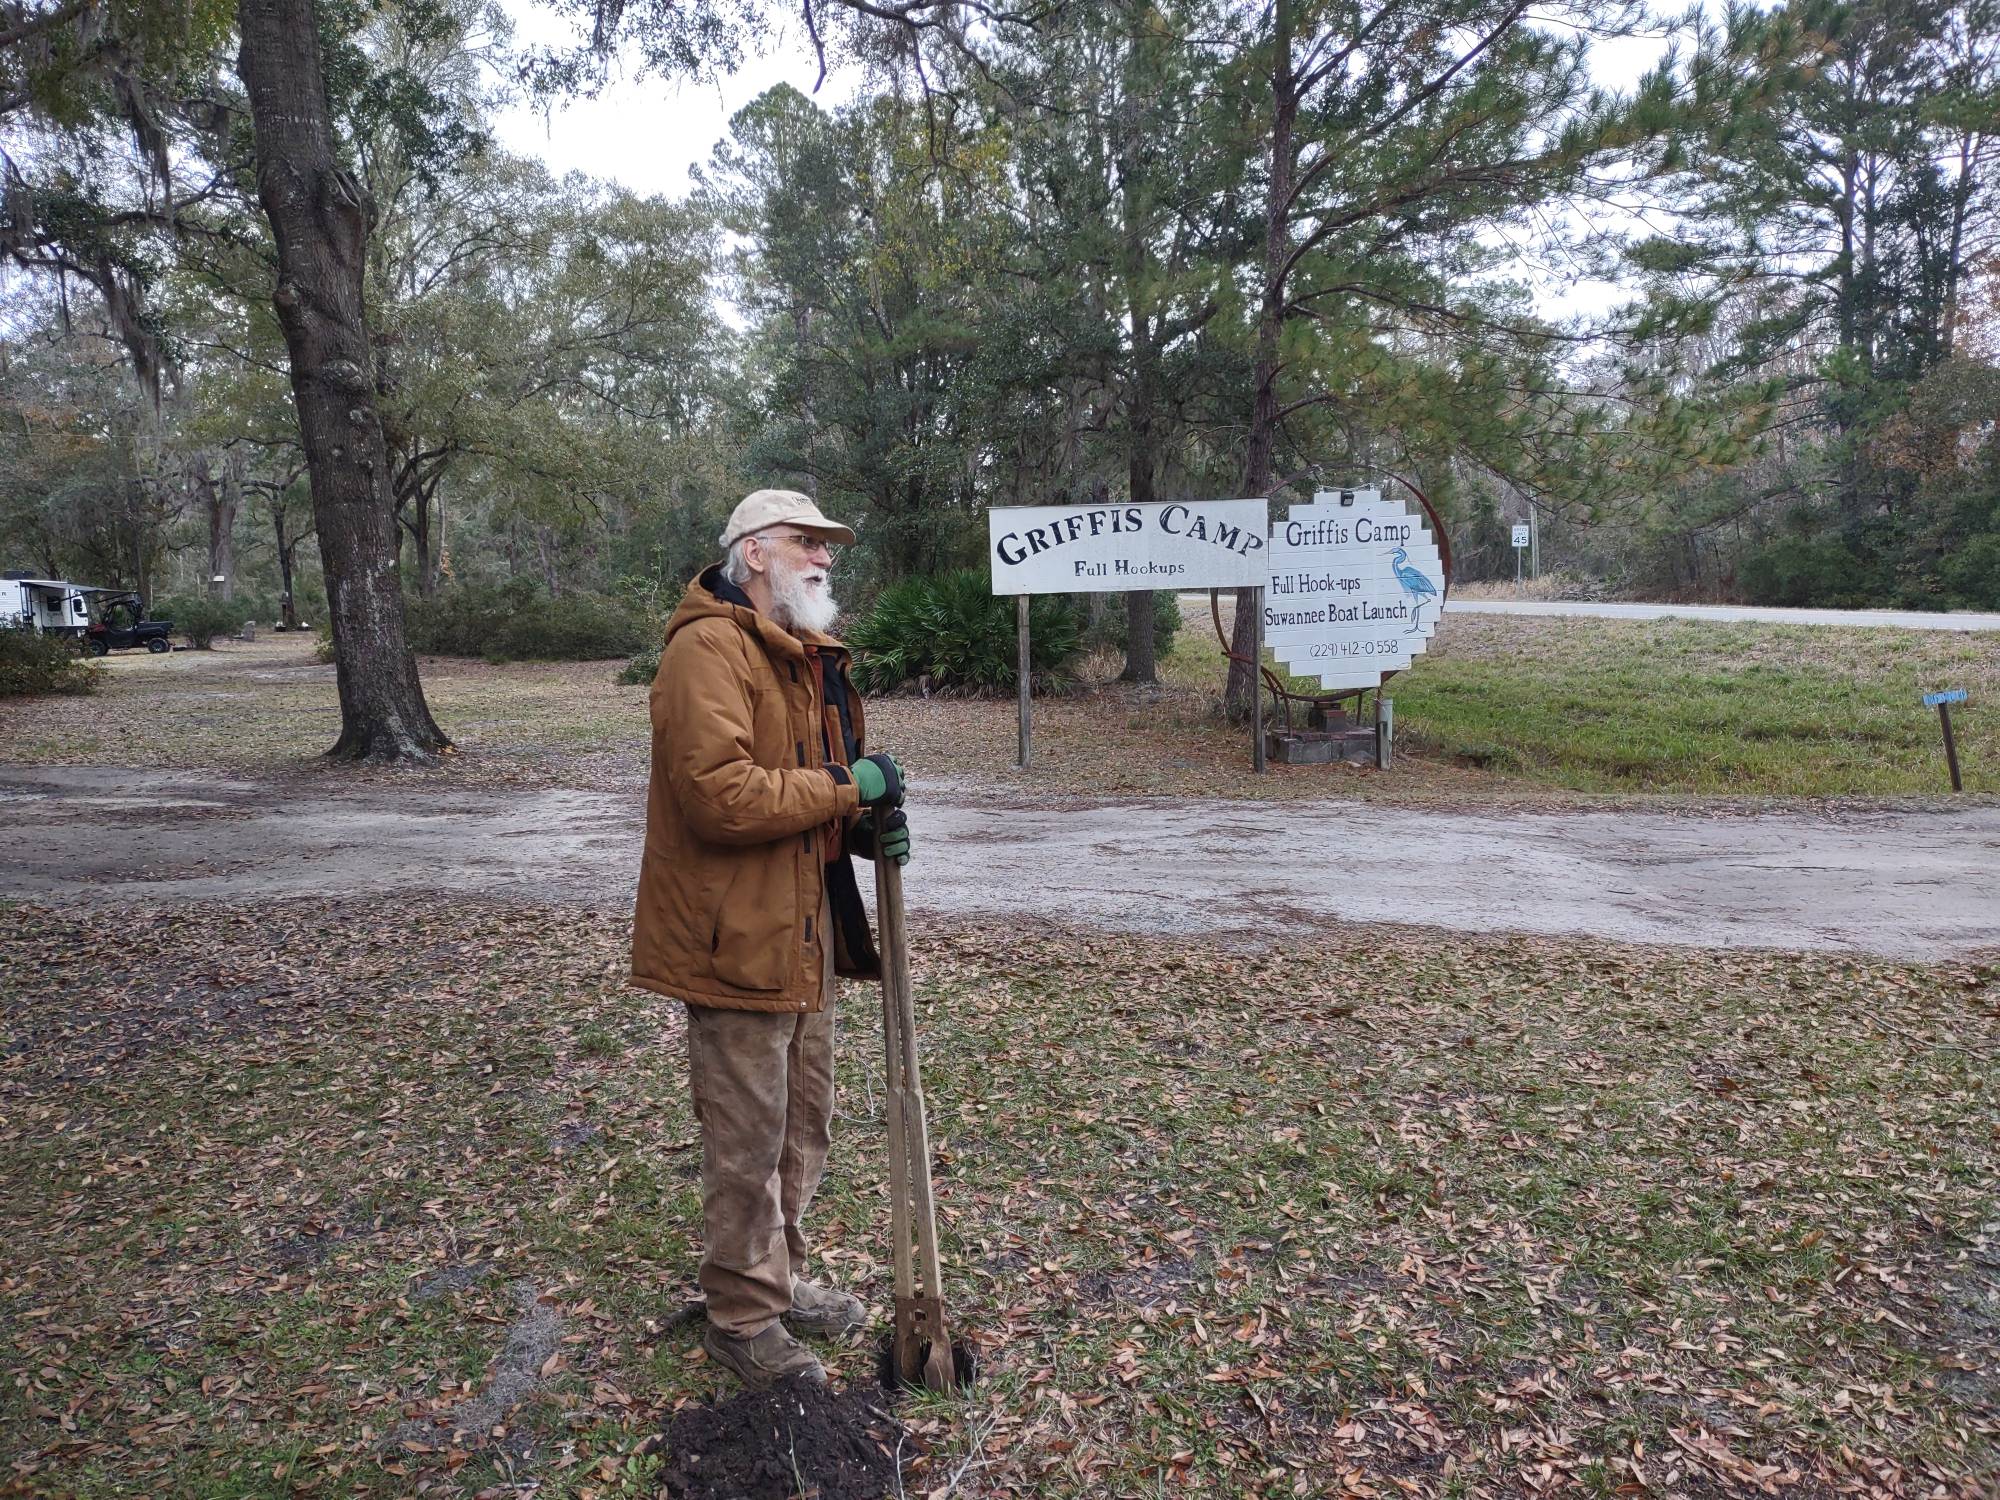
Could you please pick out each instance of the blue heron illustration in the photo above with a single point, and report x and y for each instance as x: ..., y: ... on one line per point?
x: 1418, y: 589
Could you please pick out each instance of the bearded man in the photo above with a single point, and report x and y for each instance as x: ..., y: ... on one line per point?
x: 748, y: 908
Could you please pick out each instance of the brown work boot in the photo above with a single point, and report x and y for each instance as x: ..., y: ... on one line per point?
x: 824, y: 1309
x: 764, y: 1360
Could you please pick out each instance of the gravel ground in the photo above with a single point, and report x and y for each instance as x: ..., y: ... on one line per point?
x: 1906, y: 884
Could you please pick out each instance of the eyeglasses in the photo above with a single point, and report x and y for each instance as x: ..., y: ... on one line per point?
x: 809, y: 545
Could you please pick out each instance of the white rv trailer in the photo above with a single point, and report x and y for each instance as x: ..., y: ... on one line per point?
x: 53, y: 606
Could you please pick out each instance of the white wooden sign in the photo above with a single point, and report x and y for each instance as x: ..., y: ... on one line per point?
x: 1355, y: 586
x: 1106, y: 549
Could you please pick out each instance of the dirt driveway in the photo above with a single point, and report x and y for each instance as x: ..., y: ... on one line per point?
x: 1899, y: 884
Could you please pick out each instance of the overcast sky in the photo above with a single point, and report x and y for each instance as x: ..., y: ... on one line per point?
x: 647, y: 134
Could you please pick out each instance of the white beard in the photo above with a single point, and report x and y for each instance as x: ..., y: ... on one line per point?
x: 801, y: 600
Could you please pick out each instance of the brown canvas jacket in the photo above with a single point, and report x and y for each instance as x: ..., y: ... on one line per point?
x: 743, y: 809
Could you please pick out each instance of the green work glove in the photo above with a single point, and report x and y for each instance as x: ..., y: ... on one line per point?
x: 892, y: 836
x: 879, y: 780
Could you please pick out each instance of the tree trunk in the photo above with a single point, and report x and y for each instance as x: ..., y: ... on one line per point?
x: 1140, y: 657
x: 441, y: 563
x: 1263, y: 437
x: 419, y: 527
x: 288, y: 607
x: 426, y: 574
x: 201, y: 484
x: 1145, y: 373
x: 220, y: 499
x: 319, y: 220
x: 1961, y: 201
x: 545, y: 552
x: 136, y: 507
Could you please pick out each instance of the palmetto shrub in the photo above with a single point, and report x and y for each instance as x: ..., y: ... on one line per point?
x: 951, y: 634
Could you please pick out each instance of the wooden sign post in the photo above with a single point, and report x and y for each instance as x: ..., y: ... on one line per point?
x: 1021, y: 641
x: 1942, y: 702
x: 1257, y: 687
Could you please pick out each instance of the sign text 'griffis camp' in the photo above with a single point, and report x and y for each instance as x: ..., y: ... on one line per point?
x: 1181, y: 544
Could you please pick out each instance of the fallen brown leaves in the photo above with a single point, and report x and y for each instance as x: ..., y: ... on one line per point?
x: 1376, y: 1213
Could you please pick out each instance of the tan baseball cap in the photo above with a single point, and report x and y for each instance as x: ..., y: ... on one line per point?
x: 762, y: 508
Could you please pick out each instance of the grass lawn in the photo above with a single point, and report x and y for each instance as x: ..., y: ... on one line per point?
x: 1385, y: 1213
x: 1691, y: 706
x: 1501, y: 709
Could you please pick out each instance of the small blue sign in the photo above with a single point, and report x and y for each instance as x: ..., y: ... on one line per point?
x: 1932, y: 700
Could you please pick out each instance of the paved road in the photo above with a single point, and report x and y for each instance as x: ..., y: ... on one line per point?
x: 1903, y: 884
x: 1897, y: 619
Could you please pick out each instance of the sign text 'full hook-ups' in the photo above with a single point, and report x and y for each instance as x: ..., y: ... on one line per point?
x: 1103, y: 549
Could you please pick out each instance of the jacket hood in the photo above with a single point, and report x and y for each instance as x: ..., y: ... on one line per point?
x: 713, y: 596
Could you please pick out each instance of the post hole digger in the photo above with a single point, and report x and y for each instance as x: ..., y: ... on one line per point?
x: 920, y: 1350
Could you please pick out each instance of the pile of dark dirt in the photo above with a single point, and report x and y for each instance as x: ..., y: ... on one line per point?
x: 794, y: 1439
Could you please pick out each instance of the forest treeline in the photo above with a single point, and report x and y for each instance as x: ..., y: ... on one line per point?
x: 1059, y: 252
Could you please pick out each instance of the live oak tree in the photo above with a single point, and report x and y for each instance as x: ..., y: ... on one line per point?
x: 319, y: 217
x: 435, y: 217
x: 98, y: 102
x: 287, y: 505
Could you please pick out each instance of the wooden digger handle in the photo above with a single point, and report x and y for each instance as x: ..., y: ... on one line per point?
x: 920, y: 1318
x: 888, y: 901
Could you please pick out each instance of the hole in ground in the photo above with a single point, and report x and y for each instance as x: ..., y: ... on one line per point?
x: 964, y: 1364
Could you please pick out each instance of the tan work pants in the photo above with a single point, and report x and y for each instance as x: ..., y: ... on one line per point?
x: 763, y: 1094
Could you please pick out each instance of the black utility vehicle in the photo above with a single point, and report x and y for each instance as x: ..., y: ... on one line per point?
x: 120, y: 625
